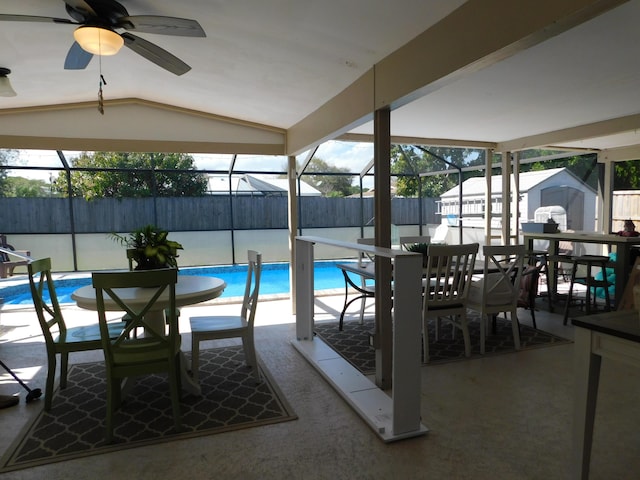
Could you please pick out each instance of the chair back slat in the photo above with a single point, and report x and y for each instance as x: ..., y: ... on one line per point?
x: 48, y: 312
x: 449, y: 268
x: 252, y: 286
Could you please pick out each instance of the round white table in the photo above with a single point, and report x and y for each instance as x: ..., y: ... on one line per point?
x: 190, y: 289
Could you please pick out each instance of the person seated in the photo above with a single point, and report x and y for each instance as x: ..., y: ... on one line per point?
x: 629, y: 230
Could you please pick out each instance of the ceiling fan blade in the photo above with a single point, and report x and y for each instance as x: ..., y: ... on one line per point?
x: 77, y: 58
x: 155, y: 54
x: 81, y: 6
x: 162, y: 25
x: 32, y: 18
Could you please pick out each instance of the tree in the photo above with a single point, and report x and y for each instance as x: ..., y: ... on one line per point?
x: 627, y: 175
x: 582, y: 166
x: 113, y: 174
x: 409, y: 162
x: 27, y: 187
x: 336, y: 181
x: 6, y: 158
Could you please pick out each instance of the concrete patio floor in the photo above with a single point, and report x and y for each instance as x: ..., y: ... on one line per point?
x: 502, y: 417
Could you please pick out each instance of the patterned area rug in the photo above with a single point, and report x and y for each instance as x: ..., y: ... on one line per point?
x: 353, y: 341
x: 231, y: 400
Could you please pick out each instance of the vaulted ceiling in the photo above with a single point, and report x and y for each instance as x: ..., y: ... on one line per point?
x: 278, y: 77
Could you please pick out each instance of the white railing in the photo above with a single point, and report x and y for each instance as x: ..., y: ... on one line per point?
x: 395, y: 417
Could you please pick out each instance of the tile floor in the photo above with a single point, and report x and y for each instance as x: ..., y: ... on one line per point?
x: 502, y: 417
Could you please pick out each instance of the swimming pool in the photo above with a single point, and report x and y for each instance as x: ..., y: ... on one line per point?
x: 275, y: 280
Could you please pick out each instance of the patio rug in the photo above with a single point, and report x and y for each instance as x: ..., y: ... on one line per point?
x: 353, y: 341
x: 74, y: 428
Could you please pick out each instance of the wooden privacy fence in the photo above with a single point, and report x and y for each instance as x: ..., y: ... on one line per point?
x: 208, y: 213
x: 626, y: 205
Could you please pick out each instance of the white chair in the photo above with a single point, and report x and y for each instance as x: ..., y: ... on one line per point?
x: 498, y: 289
x: 448, y: 273
x: 212, y: 327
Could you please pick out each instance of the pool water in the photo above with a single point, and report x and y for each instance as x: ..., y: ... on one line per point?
x: 274, y: 280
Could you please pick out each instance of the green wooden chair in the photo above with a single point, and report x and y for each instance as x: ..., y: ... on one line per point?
x: 126, y: 356
x: 215, y: 327
x: 59, y: 339
x: 125, y: 318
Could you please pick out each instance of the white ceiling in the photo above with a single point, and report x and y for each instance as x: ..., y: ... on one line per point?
x: 271, y: 65
x: 588, y: 74
x: 270, y: 62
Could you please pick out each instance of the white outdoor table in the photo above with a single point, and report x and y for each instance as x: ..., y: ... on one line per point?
x: 190, y: 289
x: 622, y: 246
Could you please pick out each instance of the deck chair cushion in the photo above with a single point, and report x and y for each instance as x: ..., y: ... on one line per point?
x: 499, y: 294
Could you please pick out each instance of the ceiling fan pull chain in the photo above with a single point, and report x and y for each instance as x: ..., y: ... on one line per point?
x: 100, y: 98
x: 102, y: 81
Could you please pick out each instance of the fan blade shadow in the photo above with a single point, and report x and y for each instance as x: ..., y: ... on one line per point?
x: 161, y: 25
x: 77, y: 58
x: 155, y: 54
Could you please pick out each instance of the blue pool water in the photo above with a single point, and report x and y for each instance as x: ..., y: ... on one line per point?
x: 275, y: 280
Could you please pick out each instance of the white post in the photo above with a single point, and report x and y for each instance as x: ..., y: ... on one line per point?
x: 407, y: 345
x: 304, y: 290
x: 392, y: 417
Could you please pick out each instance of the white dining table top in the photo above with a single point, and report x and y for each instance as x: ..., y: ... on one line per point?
x: 586, y: 237
x: 190, y: 289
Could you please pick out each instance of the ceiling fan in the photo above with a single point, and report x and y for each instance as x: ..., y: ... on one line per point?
x: 96, y: 34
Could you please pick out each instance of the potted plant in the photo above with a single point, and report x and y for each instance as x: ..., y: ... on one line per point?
x: 420, y: 248
x: 150, y: 248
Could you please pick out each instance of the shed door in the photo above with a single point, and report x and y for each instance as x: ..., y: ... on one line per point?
x: 571, y: 199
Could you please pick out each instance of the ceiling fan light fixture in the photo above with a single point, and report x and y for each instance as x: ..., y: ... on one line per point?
x: 98, y: 40
x: 6, y: 90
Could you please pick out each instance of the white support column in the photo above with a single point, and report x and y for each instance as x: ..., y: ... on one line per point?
x: 407, y: 345
x: 605, y: 201
x: 304, y: 290
x: 382, y: 228
x: 515, y: 200
x: 392, y: 417
x: 488, y: 205
x: 506, y: 198
x: 293, y: 224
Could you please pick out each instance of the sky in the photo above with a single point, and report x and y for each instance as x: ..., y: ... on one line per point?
x: 349, y: 155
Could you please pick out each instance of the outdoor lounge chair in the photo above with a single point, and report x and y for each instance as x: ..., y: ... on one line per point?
x: 11, y: 258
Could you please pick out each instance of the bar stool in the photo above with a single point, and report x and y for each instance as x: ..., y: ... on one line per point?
x: 589, y: 281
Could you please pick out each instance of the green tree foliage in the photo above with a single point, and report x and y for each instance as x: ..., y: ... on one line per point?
x: 332, y: 181
x: 114, y: 174
x: 627, y: 175
x: 409, y: 162
x: 27, y: 187
x: 582, y: 166
x: 6, y: 158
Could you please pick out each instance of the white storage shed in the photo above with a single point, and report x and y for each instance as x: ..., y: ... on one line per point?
x: 544, y: 188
